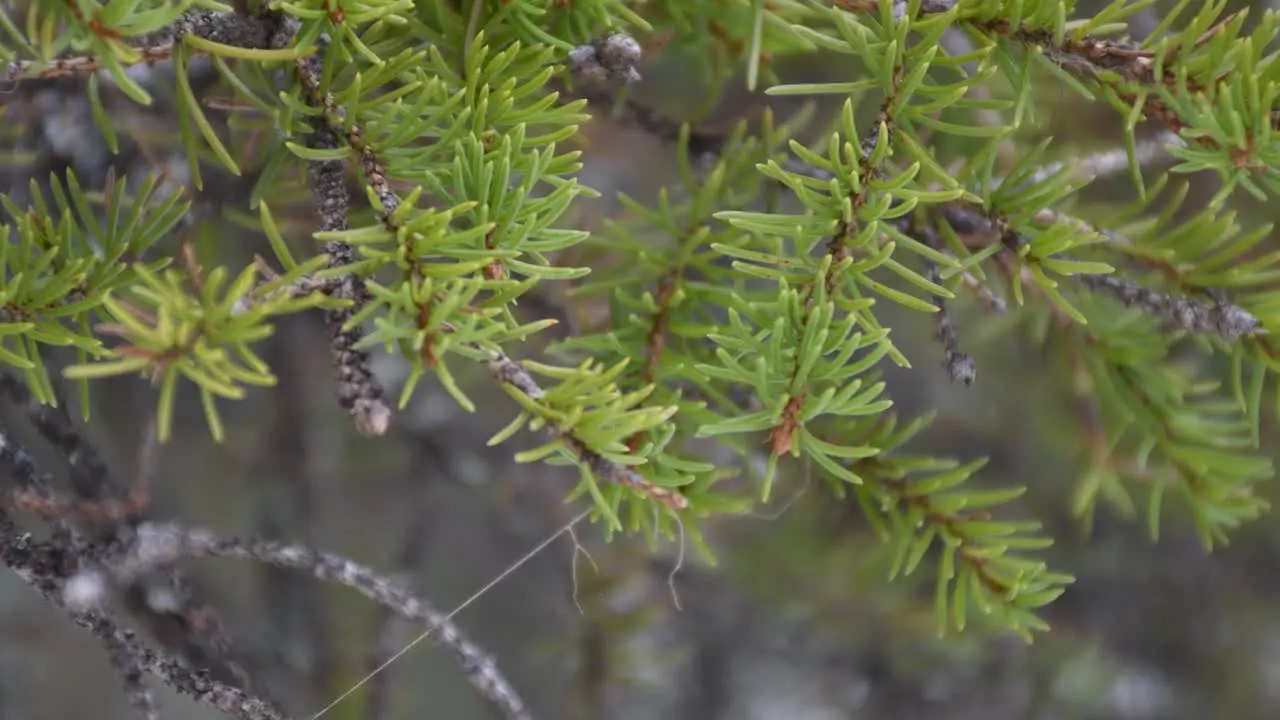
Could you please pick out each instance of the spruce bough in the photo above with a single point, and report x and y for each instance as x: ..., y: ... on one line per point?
x: 745, y: 304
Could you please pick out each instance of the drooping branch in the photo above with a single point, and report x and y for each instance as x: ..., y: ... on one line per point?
x: 359, y: 391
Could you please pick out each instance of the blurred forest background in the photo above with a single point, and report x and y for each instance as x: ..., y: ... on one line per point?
x: 797, y: 621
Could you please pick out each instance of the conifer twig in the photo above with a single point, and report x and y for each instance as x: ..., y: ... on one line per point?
x: 1230, y: 322
x: 1114, y: 63
x: 19, y: 70
x: 1223, y: 318
x: 90, y: 477
x: 31, y: 481
x: 131, y: 678
x: 617, y: 54
x: 514, y: 375
x: 152, y: 48
x: 959, y: 365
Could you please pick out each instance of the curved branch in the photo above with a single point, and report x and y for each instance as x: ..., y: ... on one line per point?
x: 160, y: 544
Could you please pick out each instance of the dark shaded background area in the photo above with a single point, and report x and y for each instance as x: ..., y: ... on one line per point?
x: 797, y: 621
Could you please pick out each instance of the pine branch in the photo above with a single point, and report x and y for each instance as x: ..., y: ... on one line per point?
x: 300, y: 288
x: 617, y: 55
x: 969, y: 221
x: 1117, y: 64
x: 18, y: 70
x: 514, y: 375
x: 881, y: 216
x: 222, y: 28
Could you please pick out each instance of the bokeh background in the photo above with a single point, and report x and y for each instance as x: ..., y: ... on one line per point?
x: 797, y: 620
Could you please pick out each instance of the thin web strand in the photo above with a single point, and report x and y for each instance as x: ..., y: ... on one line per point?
x: 568, y: 527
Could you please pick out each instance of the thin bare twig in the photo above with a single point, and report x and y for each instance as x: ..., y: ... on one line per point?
x: 43, y: 566
x: 161, y: 544
x: 193, y: 629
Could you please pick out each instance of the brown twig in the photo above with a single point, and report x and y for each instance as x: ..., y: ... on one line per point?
x: 959, y: 365
x: 514, y: 375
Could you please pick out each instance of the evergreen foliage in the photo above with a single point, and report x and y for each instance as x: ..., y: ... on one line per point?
x: 745, y: 305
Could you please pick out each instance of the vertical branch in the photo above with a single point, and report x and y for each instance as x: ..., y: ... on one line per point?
x: 90, y: 477
x: 359, y: 391
x: 959, y: 364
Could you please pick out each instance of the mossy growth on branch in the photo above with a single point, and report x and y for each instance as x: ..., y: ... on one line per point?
x: 745, y: 304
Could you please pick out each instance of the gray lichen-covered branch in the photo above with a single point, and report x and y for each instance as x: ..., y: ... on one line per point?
x: 161, y: 544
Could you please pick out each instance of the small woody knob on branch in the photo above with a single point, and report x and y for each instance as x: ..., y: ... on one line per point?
x: 613, y: 57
